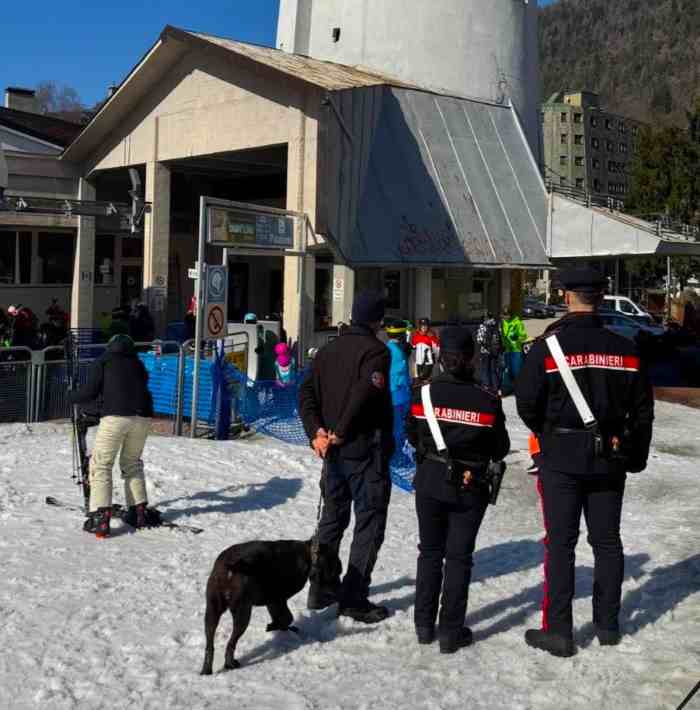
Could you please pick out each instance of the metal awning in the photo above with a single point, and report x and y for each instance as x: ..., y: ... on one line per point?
x: 576, y: 230
x: 414, y: 177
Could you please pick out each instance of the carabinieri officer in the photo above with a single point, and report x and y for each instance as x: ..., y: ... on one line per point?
x: 451, y: 493
x: 584, y: 392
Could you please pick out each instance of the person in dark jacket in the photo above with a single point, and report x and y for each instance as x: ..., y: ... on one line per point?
x: 583, y: 468
x: 120, y: 380
x: 472, y: 424
x: 345, y: 406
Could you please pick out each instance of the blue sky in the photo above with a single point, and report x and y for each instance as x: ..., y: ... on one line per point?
x: 86, y: 46
x: 90, y: 45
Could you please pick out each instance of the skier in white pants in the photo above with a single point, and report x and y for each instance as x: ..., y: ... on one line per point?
x: 119, y: 378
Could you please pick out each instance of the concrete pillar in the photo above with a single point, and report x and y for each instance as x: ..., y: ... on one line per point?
x: 504, y: 300
x: 343, y: 292
x: 82, y: 293
x: 156, y: 247
x: 299, y: 271
x: 424, y: 293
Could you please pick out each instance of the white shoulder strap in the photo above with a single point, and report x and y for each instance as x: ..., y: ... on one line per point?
x: 432, y: 419
x: 570, y: 381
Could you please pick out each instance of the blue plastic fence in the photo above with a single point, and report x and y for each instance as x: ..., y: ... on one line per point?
x: 266, y: 406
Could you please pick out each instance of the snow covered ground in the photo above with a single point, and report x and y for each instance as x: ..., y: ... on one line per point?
x: 119, y: 623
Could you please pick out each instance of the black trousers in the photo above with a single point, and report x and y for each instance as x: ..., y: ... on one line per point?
x: 564, y: 496
x: 447, y: 534
x: 366, y: 486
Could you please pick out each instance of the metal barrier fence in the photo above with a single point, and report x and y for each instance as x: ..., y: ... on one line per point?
x: 34, y: 384
x: 16, y: 384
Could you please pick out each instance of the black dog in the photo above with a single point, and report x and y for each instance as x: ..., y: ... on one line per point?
x: 261, y: 574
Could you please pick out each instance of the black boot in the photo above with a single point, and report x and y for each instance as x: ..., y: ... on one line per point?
x: 97, y: 522
x: 556, y: 644
x: 454, y: 640
x: 608, y: 637
x: 141, y: 516
x: 425, y: 634
x: 365, y: 612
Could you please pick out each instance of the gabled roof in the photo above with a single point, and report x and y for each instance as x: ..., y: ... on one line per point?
x: 172, y: 45
x: 37, y: 125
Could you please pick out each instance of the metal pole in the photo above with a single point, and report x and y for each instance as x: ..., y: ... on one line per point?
x: 617, y: 275
x: 668, y: 288
x: 199, y: 290
x: 180, y: 390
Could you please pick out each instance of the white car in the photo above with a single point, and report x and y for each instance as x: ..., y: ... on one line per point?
x: 626, y: 306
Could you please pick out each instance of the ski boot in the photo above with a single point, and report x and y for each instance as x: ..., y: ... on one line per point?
x: 556, y: 644
x: 141, y: 516
x: 454, y: 640
x: 97, y: 522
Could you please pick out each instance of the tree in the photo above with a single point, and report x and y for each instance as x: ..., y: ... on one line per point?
x: 63, y: 100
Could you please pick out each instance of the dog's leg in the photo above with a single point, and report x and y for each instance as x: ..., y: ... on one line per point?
x: 241, y: 619
x: 281, y: 617
x: 211, y: 621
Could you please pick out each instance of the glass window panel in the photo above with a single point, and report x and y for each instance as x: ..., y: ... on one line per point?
x: 25, y: 257
x: 56, y: 257
x: 7, y: 257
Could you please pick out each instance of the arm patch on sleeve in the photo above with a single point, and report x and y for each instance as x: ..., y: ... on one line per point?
x: 378, y: 380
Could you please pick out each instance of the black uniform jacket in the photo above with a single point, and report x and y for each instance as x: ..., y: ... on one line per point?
x: 613, y: 380
x: 347, y: 392
x: 473, y: 426
x: 120, y: 379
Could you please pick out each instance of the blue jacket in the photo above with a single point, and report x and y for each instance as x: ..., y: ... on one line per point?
x: 399, y: 377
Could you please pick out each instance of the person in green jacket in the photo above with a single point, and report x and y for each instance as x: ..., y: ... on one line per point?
x: 514, y: 335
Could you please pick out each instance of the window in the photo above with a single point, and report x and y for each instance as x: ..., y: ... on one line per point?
x: 623, y: 147
x: 621, y: 126
x: 563, y: 160
x: 7, y: 257
x: 578, y: 139
x: 579, y: 161
x: 594, y: 122
x: 132, y: 248
x: 562, y: 181
x: 608, y: 124
x: 626, y: 307
x: 563, y: 117
x: 596, y: 163
x: 635, y: 131
x: 579, y: 183
x: 595, y: 143
x: 610, y: 146
x: 578, y: 118
x: 596, y: 185
x: 56, y: 257
x: 392, y: 289
x: 15, y: 257
x: 611, y: 166
x: 564, y: 138
x: 104, y: 259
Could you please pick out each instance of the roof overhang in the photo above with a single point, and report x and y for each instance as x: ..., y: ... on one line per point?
x: 576, y: 230
x: 411, y: 177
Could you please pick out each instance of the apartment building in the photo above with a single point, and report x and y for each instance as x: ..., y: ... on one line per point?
x: 585, y: 147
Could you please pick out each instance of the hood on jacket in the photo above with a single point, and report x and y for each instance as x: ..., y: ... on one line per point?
x: 121, y: 344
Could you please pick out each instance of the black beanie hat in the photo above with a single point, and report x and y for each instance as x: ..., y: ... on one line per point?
x: 368, y: 307
x: 455, y: 339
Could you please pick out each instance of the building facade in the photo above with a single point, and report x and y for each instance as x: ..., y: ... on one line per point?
x: 586, y: 148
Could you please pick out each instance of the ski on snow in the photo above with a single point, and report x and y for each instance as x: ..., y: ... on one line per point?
x: 119, y: 511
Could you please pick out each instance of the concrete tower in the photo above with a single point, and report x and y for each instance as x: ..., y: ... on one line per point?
x: 478, y: 48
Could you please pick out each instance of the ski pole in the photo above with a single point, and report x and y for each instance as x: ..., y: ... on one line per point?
x: 689, y: 697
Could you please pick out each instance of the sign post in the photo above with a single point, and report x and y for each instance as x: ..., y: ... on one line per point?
x: 199, y: 292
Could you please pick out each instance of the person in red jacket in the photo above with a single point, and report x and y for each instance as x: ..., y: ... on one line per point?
x: 427, y: 345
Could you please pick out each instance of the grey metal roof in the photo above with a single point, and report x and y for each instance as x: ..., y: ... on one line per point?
x: 429, y: 179
x: 327, y: 75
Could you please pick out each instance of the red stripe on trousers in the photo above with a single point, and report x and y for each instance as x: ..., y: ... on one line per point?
x: 545, y: 541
